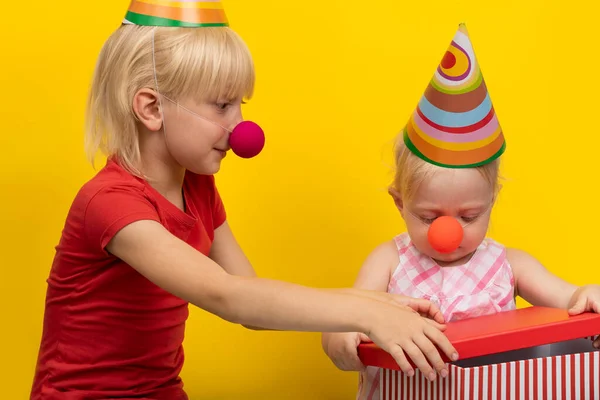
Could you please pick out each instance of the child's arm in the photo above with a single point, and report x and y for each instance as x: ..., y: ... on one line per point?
x: 226, y: 252
x: 537, y: 285
x: 178, y: 268
x: 374, y: 275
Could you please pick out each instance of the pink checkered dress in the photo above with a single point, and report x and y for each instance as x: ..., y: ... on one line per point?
x: 484, y: 285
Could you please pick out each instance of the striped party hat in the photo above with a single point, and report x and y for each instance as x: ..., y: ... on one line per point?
x: 176, y: 13
x: 454, y: 124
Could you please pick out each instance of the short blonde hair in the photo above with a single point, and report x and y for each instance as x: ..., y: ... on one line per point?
x: 200, y: 63
x: 411, y: 171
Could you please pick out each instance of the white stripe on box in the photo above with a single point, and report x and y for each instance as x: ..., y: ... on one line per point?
x: 383, y: 383
x: 485, y: 383
x: 568, y: 376
x: 440, y: 388
x: 428, y: 388
x: 522, y: 380
x: 558, y: 362
x: 459, y: 383
x: 381, y: 372
x: 467, y: 381
x: 494, y: 381
x: 513, y: 378
x: 404, y: 386
x: 539, y: 378
x: 416, y: 383
x: 415, y: 387
x: 586, y: 375
x: 396, y: 384
x: 597, y: 375
x: 503, y: 387
x: 453, y: 391
x: 412, y: 385
x: 391, y: 386
x: 549, y: 378
x: 577, y: 361
x: 448, y: 379
x: 530, y: 372
x: 423, y: 386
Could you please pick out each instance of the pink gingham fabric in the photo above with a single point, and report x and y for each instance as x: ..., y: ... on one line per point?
x: 484, y: 285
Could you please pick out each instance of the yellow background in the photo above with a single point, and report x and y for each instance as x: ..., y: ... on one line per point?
x: 336, y: 81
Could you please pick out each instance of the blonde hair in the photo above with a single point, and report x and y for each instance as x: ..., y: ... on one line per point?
x: 199, y: 63
x: 411, y: 171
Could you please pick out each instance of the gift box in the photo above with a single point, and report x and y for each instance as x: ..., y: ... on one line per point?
x: 532, y: 353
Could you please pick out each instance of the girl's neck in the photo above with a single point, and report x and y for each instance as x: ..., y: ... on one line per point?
x: 166, y: 177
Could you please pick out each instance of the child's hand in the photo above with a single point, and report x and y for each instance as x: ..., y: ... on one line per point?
x: 586, y: 299
x: 402, y: 332
x: 342, y: 349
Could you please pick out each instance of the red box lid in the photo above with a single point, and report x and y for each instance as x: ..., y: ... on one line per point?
x: 501, y: 332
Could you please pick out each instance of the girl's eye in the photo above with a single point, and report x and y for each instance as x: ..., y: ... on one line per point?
x: 223, y: 106
x: 470, y: 219
x: 428, y: 221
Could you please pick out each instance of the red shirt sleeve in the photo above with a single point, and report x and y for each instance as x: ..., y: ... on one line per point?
x: 113, y: 208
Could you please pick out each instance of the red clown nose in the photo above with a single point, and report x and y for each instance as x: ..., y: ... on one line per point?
x: 445, y: 234
x: 247, y: 139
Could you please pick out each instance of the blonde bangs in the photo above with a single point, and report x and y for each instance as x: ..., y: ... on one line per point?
x: 412, y: 171
x: 211, y: 64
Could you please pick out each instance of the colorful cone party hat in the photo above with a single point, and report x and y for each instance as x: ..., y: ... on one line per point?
x: 454, y: 124
x: 176, y: 13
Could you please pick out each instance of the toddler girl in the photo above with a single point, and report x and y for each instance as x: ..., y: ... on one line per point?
x: 446, y: 183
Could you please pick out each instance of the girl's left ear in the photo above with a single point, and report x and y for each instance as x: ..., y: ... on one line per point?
x: 146, y: 108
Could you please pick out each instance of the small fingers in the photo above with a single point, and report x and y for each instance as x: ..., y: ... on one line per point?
x: 425, y: 307
x: 579, y: 307
x: 363, y: 338
x: 398, y: 353
x: 596, y: 306
x: 433, y: 311
x: 416, y: 355
x: 435, y: 324
x: 433, y: 355
x: 439, y: 339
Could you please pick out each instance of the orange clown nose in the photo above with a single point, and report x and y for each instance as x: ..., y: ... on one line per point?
x: 445, y: 234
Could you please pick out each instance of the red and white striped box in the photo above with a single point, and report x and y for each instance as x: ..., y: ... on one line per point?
x: 528, y: 354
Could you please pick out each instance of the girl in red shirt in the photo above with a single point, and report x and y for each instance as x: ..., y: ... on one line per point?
x: 148, y: 234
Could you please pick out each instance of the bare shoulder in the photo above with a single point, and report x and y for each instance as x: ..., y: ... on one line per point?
x: 377, y: 268
x: 515, y: 255
x: 385, y: 253
x: 520, y: 259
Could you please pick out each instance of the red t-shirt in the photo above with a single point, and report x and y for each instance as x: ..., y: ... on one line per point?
x: 108, y: 331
